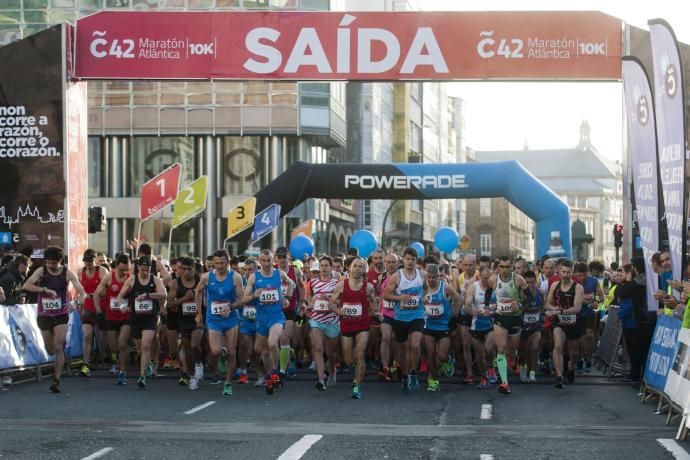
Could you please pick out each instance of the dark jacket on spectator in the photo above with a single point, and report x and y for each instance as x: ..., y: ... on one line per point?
x: 636, y: 290
x: 11, y: 282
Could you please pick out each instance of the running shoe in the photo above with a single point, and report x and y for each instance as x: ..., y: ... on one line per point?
x: 433, y: 385
x: 405, y: 385
x: 449, y: 368
x: 588, y: 367
x: 532, y: 377
x: 167, y: 363
x: 271, y: 383
x: 149, y: 370
x: 414, y: 382
x: 512, y: 365
x: 384, y: 375
x: 292, y: 370
x: 114, y: 369
x: 236, y: 374
x: 217, y: 379
x: 468, y: 380
x: 331, y: 378
x: 176, y: 363
x: 394, y: 367
x: 491, y: 374
x: 559, y: 383
x: 183, y: 380
x: 320, y: 386
x: 570, y: 376
x: 121, y: 378
x: 523, y: 373
x: 243, y: 378
x: 199, y: 371
x: 504, y: 388
x: 227, y: 389
x: 222, y: 361
x: 85, y: 371
x: 579, y: 366
x: 260, y: 381
x: 193, y: 383
x: 546, y: 368
x: 483, y: 384
x: 55, y: 387
x: 356, y: 394
x: 141, y: 383
x: 312, y: 366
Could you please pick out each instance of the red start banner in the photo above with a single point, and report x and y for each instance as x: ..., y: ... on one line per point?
x: 349, y: 45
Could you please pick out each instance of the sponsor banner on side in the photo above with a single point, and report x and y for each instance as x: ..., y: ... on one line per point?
x: 662, y: 352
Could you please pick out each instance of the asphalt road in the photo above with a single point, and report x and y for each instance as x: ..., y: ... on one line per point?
x: 590, y: 419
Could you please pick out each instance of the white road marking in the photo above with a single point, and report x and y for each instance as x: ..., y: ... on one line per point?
x: 298, y: 449
x: 99, y: 453
x: 487, y: 412
x: 198, y: 408
x: 673, y: 447
x: 486, y: 457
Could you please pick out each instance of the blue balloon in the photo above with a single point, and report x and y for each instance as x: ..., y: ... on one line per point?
x: 419, y: 247
x: 364, y: 241
x: 446, y: 239
x: 300, y: 246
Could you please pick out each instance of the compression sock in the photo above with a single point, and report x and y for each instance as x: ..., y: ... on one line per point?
x: 502, y: 367
x: 284, y: 357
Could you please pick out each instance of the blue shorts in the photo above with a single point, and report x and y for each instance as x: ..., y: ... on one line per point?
x: 332, y: 331
x: 220, y: 324
x: 266, y: 320
x: 247, y: 327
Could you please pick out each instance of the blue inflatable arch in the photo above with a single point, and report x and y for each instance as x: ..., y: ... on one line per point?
x: 415, y: 181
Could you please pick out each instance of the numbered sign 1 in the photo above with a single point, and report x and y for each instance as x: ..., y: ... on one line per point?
x: 190, y: 201
x: 266, y: 221
x: 241, y: 217
x: 160, y: 191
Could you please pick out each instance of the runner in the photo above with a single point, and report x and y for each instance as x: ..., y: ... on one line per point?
x: 406, y: 288
x: 441, y: 302
x: 50, y: 282
x: 387, y: 308
x: 373, y: 275
x: 462, y: 335
x: 593, y: 294
x: 265, y: 288
x: 508, y: 318
x: 223, y: 287
x: 291, y: 312
x: 248, y: 334
x: 92, y: 313
x: 563, y: 305
x: 531, y: 330
x: 117, y: 315
x: 181, y: 300
x: 357, y: 300
x: 145, y: 291
x: 324, y: 323
x: 480, y: 303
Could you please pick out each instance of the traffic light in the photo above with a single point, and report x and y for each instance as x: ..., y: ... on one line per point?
x: 617, y: 235
x: 97, y: 221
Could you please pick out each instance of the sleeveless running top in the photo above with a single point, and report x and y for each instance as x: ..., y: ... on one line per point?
x: 437, y: 308
x: 90, y: 285
x: 321, y: 294
x: 505, y: 292
x: 565, y: 300
x: 411, y: 309
x: 218, y: 295
x: 481, y: 323
x: 187, y: 309
x: 531, y: 312
x: 270, y: 301
x: 145, y: 306
x: 115, y: 311
x: 387, y: 306
x: 49, y: 306
x: 284, y: 287
x: 356, y: 308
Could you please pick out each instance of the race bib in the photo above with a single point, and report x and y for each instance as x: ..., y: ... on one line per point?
x: 352, y: 309
x: 116, y: 306
x: 249, y: 313
x: 433, y: 310
x: 567, y: 319
x: 504, y: 307
x: 143, y: 306
x: 410, y: 304
x: 52, y: 304
x: 189, y: 308
x: 284, y: 289
x: 217, y: 307
x: 320, y: 304
x: 530, y: 318
x: 389, y: 304
x: 269, y: 296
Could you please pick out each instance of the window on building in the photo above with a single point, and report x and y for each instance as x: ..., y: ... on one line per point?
x: 485, y: 244
x: 485, y: 207
x: 415, y: 137
x: 242, y: 165
x: 150, y: 155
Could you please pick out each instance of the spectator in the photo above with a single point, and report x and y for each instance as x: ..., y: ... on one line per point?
x: 11, y: 282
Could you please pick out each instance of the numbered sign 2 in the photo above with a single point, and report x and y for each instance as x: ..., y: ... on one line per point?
x: 160, y: 191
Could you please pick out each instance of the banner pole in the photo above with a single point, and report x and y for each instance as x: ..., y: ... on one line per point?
x: 141, y: 222
x: 170, y: 241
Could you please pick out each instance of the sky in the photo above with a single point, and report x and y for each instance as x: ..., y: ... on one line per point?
x: 505, y: 116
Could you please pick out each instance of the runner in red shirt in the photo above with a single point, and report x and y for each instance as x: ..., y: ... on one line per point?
x: 357, y: 301
x: 90, y: 276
